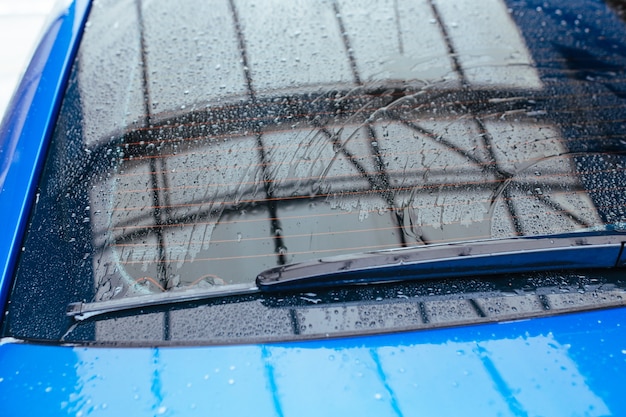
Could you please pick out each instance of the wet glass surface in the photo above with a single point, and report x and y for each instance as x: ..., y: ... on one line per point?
x: 200, y: 143
x: 348, y: 311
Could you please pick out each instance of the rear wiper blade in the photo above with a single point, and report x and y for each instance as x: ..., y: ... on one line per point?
x: 489, y: 257
x: 579, y: 250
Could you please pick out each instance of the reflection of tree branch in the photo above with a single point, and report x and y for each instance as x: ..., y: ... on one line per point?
x: 517, y: 225
x: 198, y: 129
x: 488, y: 166
x: 334, y: 139
x: 502, y: 189
x: 383, y: 184
x: 439, y: 139
x: 338, y: 145
x: 413, y: 229
x: 386, y: 189
x: 557, y: 207
x: 361, y: 112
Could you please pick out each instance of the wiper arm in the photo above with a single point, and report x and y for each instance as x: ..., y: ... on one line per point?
x: 489, y: 257
x: 84, y: 310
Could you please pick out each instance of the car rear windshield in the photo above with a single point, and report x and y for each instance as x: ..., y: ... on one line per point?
x: 202, y: 142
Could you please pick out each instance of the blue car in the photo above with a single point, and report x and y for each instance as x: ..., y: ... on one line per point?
x: 325, y: 208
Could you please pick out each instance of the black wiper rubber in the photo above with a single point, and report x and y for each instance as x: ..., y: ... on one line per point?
x: 489, y: 257
x: 581, y: 250
x: 84, y: 310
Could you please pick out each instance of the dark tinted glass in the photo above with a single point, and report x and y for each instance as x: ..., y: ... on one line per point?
x: 201, y: 142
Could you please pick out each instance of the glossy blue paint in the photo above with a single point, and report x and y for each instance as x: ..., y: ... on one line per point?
x: 557, y: 366
x: 27, y: 126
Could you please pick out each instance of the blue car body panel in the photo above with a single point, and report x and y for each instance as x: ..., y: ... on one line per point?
x: 558, y: 366
x: 570, y: 365
x: 26, y: 129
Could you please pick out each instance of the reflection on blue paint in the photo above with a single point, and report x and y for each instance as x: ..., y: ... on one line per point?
x: 383, y: 378
x: 500, y: 384
x: 557, y: 366
x: 392, y: 380
x: 271, y: 381
x: 156, y: 386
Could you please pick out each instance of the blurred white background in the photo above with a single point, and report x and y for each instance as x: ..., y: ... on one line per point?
x: 21, y: 25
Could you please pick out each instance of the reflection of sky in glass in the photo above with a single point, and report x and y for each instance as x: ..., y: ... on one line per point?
x: 213, y: 217
x: 293, y: 47
x: 268, y: 172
